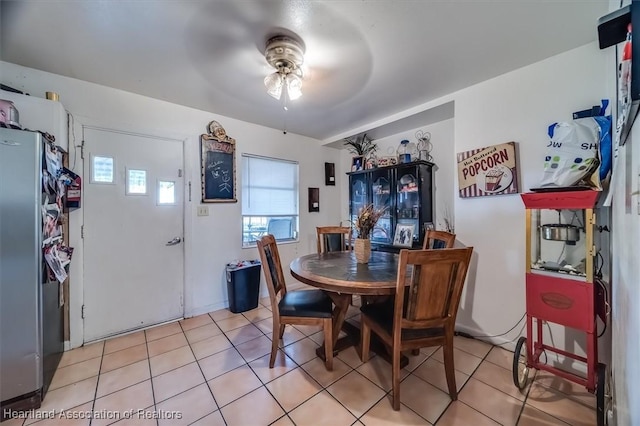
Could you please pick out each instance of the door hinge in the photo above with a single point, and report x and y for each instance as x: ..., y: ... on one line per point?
x: 82, y: 312
x: 189, y: 191
x: 82, y: 150
x: 82, y: 232
x: 179, y: 172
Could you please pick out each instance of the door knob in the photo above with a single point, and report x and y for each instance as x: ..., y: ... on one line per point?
x: 176, y: 240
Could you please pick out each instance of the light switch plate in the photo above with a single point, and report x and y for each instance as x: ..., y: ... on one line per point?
x: 203, y: 210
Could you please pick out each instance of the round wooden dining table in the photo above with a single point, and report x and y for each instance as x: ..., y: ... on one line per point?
x: 342, y: 277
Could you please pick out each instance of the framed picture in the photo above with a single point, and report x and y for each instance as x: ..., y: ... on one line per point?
x: 357, y: 164
x: 218, y: 160
x: 404, y: 235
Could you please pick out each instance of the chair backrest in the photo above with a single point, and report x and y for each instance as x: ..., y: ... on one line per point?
x: 436, y: 281
x: 333, y: 238
x: 438, y: 239
x: 280, y: 228
x: 272, y: 268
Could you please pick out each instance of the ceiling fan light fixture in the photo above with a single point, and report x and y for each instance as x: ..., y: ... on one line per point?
x: 286, y: 55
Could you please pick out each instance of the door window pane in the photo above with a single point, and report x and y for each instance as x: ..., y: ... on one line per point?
x: 102, y: 169
x: 166, y: 192
x: 136, y: 182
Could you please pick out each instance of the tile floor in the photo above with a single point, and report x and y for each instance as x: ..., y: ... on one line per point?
x: 213, y: 370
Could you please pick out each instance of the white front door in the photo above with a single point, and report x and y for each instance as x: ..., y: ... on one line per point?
x: 133, y: 231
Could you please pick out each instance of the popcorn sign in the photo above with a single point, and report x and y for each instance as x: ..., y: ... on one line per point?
x: 488, y: 171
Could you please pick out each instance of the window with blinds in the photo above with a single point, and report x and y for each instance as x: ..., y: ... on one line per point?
x: 269, y: 199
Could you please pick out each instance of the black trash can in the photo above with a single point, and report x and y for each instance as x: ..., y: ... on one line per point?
x: 243, y: 285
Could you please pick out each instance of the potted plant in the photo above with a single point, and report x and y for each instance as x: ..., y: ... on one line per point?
x: 361, y: 146
x: 365, y: 222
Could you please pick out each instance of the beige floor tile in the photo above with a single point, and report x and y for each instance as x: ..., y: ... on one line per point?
x: 569, y: 388
x: 83, y: 353
x: 472, y: 346
x: 14, y: 421
x: 135, y: 397
x: 433, y: 372
x: 425, y: 399
x: 501, y: 357
x: 379, y: 372
x: 491, y: 402
x: 534, y: 417
x: 221, y: 314
x: 194, y: 322
x: 499, y: 378
x: 161, y: 331
x: 258, y: 314
x: 220, y: 363
x: 213, y: 419
x: 233, y: 322
x: 121, y: 378
x: 201, y: 333
x: 240, y: 335
x: 258, y: 404
x: 170, y: 360
x: 265, y: 301
x: 556, y: 403
x: 415, y: 360
x: 322, y: 410
x: 124, y: 342
x: 356, y: 393
x: 459, y: 414
x: 254, y: 349
x: 74, y: 373
x: 123, y: 357
x: 233, y: 385
x: 283, y: 421
x: 266, y: 325
x: 193, y: 405
x: 291, y: 335
x: 293, y: 388
x: 383, y: 414
x: 166, y: 344
x: 317, y: 369
x: 75, y: 416
x: 142, y: 418
x: 281, y: 365
x: 308, y: 330
x: 302, y: 351
x: 463, y: 361
x: 70, y: 396
x: 210, y: 346
x: 351, y: 357
x: 176, y: 381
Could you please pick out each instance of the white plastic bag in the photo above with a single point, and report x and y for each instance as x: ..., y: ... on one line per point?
x: 572, y: 156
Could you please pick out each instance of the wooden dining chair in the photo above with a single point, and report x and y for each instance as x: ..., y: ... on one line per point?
x: 333, y: 238
x: 438, y: 239
x: 428, y: 316
x: 302, y: 307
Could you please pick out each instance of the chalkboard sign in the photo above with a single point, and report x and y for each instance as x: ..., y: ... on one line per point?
x: 218, y: 158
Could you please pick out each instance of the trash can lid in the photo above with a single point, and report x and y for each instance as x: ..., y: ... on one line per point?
x: 239, y: 264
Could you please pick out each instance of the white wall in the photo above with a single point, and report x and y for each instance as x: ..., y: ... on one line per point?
x: 211, y: 241
x: 518, y: 106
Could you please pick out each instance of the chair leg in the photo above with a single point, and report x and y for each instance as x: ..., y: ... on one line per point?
x: 328, y: 343
x: 281, y: 330
x: 395, y: 378
x: 365, y: 339
x: 415, y: 352
x: 449, y: 369
x: 275, y: 338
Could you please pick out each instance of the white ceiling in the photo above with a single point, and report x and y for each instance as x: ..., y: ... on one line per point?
x: 365, y: 60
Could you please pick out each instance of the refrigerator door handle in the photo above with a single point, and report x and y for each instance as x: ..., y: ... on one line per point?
x: 175, y: 241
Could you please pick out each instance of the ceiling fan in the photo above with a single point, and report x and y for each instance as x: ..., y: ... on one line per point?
x: 286, y: 55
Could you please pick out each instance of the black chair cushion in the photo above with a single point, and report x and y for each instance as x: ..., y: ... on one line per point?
x: 382, y: 314
x: 305, y: 303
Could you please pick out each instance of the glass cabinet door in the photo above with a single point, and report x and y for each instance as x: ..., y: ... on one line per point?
x: 408, y: 200
x: 358, y: 197
x: 381, y: 198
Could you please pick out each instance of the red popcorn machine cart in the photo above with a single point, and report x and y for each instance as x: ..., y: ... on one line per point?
x: 560, y: 286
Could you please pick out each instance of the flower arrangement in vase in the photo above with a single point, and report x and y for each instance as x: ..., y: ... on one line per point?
x: 365, y: 222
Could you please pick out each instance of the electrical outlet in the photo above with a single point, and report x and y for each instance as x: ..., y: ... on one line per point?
x: 203, y: 210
